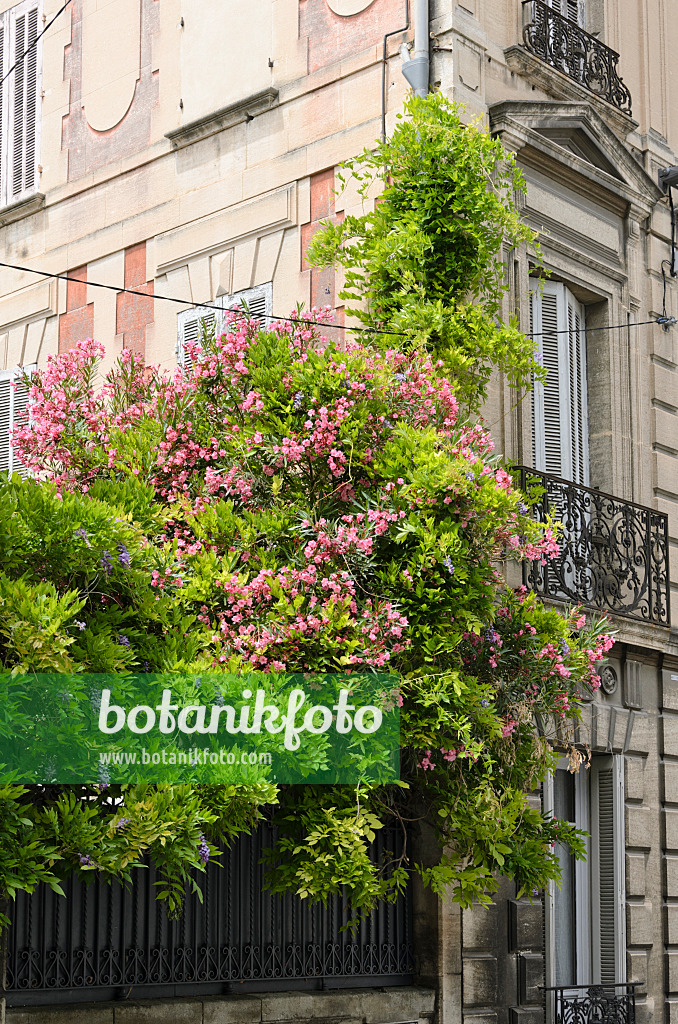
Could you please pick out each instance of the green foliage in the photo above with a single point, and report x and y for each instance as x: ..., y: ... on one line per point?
x: 426, y: 260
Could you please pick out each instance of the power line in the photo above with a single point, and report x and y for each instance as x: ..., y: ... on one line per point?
x: 196, y: 305
x: 34, y: 43
x: 664, y: 321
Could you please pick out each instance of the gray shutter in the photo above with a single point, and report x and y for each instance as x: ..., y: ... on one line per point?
x: 576, y: 358
x: 20, y: 407
x: 560, y: 408
x: 547, y: 398
x: 575, y: 10
x: 23, y: 102
x: 258, y: 300
x: 553, y: 456
x: 607, y: 868
x: 606, y: 888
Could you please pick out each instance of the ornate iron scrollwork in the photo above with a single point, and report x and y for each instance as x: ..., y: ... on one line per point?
x: 614, y: 554
x: 568, y: 48
x: 595, y: 1004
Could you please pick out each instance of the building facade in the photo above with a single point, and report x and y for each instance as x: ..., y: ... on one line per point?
x: 188, y: 151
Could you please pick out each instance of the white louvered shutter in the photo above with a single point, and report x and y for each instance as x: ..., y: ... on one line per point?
x: 192, y: 325
x: 4, y: 67
x: 607, y: 865
x: 560, y: 418
x: 258, y: 300
x: 23, y: 95
x: 193, y: 322
x: 5, y: 421
x: 13, y: 404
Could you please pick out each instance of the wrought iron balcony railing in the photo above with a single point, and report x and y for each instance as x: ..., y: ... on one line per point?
x: 595, y: 1004
x: 614, y: 554
x: 579, y: 55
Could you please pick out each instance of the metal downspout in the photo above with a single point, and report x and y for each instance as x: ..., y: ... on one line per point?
x: 416, y: 70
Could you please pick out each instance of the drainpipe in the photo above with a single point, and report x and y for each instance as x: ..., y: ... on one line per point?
x: 416, y: 70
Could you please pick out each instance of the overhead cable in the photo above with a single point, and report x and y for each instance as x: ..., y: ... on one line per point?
x: 664, y: 321
x: 35, y: 42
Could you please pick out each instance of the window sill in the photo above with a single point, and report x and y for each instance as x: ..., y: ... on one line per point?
x: 22, y: 208
x: 220, y: 120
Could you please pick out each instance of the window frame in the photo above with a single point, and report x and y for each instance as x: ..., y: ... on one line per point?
x: 8, y: 21
x: 587, y: 876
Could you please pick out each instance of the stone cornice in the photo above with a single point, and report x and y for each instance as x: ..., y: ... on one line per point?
x: 24, y: 208
x: 221, y: 120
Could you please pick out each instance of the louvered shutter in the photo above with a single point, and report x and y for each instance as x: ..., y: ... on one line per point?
x: 607, y: 868
x: 567, y: 918
x: 257, y: 300
x: 4, y: 67
x: 575, y: 10
x: 13, y: 406
x: 547, y: 402
x: 23, y: 102
x: 193, y: 322
x: 578, y: 406
x: 560, y: 419
x: 5, y: 421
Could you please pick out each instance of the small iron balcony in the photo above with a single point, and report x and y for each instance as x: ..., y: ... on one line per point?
x: 614, y: 554
x: 579, y: 55
x: 595, y: 1004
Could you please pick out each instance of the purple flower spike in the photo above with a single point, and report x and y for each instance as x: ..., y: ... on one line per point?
x: 123, y: 556
x: 203, y: 850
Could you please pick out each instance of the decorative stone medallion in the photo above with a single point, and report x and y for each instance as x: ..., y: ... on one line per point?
x: 346, y: 8
x: 608, y: 680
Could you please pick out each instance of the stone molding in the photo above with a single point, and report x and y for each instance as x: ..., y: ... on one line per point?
x: 553, y: 81
x: 23, y: 208
x: 221, y: 120
x: 371, y: 1006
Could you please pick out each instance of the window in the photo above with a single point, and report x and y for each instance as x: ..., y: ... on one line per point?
x: 13, y: 402
x: 191, y: 323
x: 559, y: 407
x: 585, y: 922
x: 19, y: 101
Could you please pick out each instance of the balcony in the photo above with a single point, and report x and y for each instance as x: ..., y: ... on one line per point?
x: 563, y: 45
x: 597, y: 1004
x: 614, y: 554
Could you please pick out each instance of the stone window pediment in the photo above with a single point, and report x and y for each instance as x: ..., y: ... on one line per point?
x: 577, y: 141
x: 572, y: 144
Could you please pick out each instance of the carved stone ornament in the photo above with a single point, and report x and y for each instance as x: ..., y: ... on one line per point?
x: 346, y: 8
x: 608, y: 680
